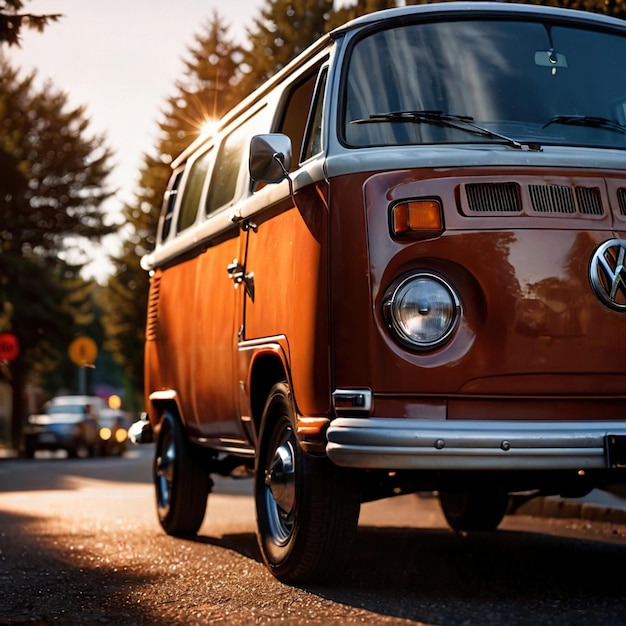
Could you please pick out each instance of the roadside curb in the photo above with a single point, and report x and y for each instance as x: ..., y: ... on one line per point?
x: 563, y: 508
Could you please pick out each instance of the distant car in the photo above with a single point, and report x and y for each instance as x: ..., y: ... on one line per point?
x: 69, y: 423
x: 114, y: 424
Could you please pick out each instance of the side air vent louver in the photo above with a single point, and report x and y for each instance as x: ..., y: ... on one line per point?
x: 621, y: 198
x: 493, y: 197
x: 153, y: 307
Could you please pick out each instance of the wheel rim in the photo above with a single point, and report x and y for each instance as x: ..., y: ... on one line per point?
x: 164, y: 474
x: 280, y: 489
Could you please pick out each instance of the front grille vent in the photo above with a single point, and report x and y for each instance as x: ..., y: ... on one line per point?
x: 153, y: 308
x: 493, y: 197
x: 513, y: 197
x: 552, y: 199
x: 589, y: 200
x: 565, y: 200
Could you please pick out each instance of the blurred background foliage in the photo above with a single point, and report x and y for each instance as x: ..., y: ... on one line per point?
x: 53, y: 185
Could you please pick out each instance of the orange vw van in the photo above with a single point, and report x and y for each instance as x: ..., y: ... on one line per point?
x: 398, y: 266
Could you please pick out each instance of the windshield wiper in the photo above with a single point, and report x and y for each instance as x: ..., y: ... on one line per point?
x: 439, y: 118
x: 587, y: 120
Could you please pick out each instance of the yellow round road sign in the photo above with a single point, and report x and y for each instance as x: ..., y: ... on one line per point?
x: 83, y: 351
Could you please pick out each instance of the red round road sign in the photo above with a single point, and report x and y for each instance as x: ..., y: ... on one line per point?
x: 9, y: 347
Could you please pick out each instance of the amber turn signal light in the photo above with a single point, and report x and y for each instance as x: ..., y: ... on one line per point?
x: 416, y: 216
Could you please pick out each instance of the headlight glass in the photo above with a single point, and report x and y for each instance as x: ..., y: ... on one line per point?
x: 422, y: 311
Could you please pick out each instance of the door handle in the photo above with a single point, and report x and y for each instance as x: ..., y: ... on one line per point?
x: 237, y: 274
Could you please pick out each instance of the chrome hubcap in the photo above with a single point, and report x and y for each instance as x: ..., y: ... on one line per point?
x: 280, y: 492
x: 280, y: 478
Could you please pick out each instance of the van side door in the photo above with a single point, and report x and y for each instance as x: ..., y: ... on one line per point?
x: 218, y: 309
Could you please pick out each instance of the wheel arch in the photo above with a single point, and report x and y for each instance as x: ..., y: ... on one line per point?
x: 159, y: 403
x: 267, y: 369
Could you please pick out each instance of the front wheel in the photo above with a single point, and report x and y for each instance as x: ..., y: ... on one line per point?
x: 479, y: 510
x: 307, y: 508
x: 181, y: 481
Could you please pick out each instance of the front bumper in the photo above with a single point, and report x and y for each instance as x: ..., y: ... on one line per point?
x: 408, y: 444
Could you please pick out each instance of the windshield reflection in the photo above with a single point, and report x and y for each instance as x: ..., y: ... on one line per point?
x: 510, y: 77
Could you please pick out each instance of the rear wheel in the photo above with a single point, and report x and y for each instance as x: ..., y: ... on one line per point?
x: 181, y: 481
x: 307, y: 508
x: 480, y: 510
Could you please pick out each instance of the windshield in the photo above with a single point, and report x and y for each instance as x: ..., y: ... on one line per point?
x: 531, y: 82
x: 54, y: 409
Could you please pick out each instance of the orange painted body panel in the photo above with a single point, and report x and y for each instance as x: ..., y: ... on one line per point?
x: 289, y: 259
x: 194, y: 354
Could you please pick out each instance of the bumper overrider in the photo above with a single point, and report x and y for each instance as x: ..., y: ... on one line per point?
x: 409, y: 444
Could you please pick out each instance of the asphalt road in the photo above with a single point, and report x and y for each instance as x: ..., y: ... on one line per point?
x: 80, y: 544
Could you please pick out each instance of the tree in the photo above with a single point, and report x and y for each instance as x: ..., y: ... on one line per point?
x: 52, y: 187
x: 12, y: 21
x: 614, y: 8
x: 209, y: 87
x: 360, y: 7
x: 283, y: 29
x: 53, y: 182
x: 48, y: 305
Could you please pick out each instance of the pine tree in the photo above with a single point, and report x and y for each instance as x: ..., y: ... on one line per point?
x: 54, y: 175
x: 12, y: 20
x: 284, y: 29
x: 358, y: 8
x: 52, y: 185
x: 208, y: 89
x: 211, y: 85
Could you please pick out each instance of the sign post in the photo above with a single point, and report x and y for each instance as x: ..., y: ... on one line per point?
x: 83, y: 351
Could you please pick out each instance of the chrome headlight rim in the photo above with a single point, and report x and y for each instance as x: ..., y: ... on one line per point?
x: 390, y: 311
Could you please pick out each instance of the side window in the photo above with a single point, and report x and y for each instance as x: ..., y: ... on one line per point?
x: 193, y: 191
x: 169, y: 202
x: 295, y: 115
x: 225, y: 175
x: 313, y: 137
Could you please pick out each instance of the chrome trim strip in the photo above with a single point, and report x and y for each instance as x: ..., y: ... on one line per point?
x: 380, y: 443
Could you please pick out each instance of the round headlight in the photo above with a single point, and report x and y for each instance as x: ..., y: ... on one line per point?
x: 422, y: 311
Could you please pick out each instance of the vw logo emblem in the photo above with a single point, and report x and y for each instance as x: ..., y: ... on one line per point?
x: 608, y: 274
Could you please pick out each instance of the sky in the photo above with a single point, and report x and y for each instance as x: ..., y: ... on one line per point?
x: 120, y: 59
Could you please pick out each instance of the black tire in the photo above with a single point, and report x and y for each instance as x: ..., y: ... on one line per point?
x: 307, y: 508
x: 474, y: 510
x: 79, y: 451
x: 181, y: 481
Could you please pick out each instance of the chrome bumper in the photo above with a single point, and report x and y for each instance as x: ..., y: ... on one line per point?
x: 379, y: 443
